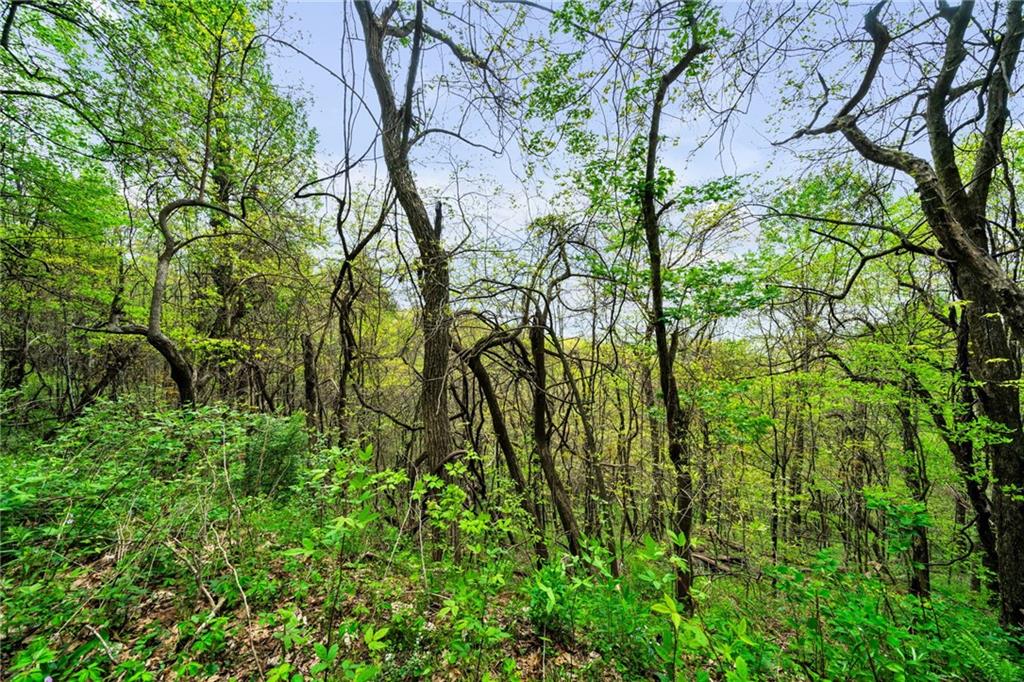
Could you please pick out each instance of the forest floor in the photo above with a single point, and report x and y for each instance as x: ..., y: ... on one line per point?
x: 253, y: 645
x: 149, y: 546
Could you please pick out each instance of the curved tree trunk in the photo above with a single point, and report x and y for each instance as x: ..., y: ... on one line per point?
x: 500, y: 428
x: 181, y: 369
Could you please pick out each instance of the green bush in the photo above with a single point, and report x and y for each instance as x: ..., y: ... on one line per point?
x: 123, y: 504
x: 553, y: 605
x: 119, y: 504
x: 274, y: 455
x: 855, y: 627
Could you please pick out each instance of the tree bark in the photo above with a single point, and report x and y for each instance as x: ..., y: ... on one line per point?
x: 181, y: 369
x: 915, y: 475
x: 433, y: 276
x: 541, y: 438
x: 483, y: 379
x: 996, y: 369
x: 15, y: 351
x: 310, y: 382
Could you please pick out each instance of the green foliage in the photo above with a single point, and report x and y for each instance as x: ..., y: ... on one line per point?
x: 904, y: 518
x: 274, y: 454
x: 553, y: 607
x: 118, y: 506
x: 140, y: 543
x: 851, y: 627
x: 122, y: 506
x: 978, y: 662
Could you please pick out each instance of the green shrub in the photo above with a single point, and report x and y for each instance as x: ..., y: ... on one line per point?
x: 553, y: 606
x: 618, y: 626
x: 123, y: 504
x: 979, y: 663
x: 274, y: 455
x: 856, y: 627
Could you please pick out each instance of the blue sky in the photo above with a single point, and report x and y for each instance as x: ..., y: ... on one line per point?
x: 501, y: 204
x: 316, y: 27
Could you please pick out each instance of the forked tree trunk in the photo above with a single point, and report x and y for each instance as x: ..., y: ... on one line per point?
x: 433, y: 277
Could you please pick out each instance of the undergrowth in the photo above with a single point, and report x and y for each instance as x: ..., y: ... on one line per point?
x: 192, y: 544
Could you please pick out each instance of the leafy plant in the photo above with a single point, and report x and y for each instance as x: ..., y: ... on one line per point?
x: 273, y: 456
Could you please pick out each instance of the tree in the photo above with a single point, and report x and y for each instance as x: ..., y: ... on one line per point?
x: 955, y: 201
x: 676, y: 424
x: 399, y: 133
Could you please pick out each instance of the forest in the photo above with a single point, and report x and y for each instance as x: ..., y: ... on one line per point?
x: 511, y: 340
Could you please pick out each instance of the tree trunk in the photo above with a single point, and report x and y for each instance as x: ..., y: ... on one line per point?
x: 996, y: 369
x: 15, y: 351
x: 483, y: 379
x: 310, y: 381
x: 915, y: 474
x: 675, y: 421
x: 347, y: 342
x: 541, y: 439
x: 657, y: 516
x: 181, y: 368
x: 433, y: 277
